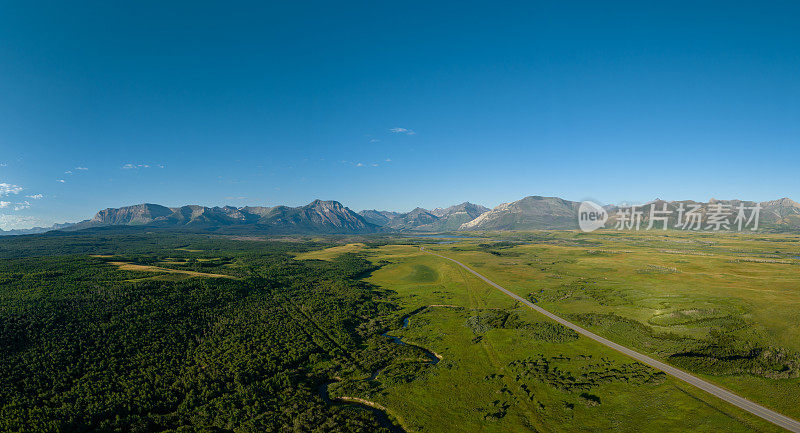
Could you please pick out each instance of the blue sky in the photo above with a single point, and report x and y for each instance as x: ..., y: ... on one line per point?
x: 393, y: 105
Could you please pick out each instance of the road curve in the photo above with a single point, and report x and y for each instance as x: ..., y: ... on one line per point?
x: 741, y: 402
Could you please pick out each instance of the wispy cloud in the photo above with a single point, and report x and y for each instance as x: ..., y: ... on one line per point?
x: 3, y: 164
x: 7, y: 188
x: 17, y: 206
x: 11, y: 222
x: 406, y: 131
x: 70, y: 172
x: 35, y: 196
x: 130, y: 166
x: 360, y: 164
x: 388, y: 160
x: 61, y: 181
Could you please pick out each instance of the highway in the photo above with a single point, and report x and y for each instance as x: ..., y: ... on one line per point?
x: 734, y: 399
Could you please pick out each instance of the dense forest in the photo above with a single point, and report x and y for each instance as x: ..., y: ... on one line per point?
x: 86, y: 345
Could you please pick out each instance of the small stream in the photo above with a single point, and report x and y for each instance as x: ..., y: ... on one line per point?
x: 432, y: 358
x: 382, y: 416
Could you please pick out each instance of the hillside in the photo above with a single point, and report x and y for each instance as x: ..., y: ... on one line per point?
x: 529, y: 213
x: 378, y: 217
x: 414, y: 220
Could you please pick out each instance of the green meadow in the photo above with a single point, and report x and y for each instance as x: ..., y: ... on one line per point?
x: 190, y: 333
x: 724, y: 307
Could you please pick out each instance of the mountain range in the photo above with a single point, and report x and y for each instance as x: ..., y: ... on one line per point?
x: 424, y: 220
x: 331, y: 217
x: 35, y: 230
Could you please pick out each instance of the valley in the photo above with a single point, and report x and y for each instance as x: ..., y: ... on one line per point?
x: 399, y: 217
x: 338, y: 323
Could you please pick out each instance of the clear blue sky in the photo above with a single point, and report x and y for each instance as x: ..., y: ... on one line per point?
x: 105, y: 104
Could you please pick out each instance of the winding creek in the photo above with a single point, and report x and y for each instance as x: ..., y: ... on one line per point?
x: 433, y: 358
x: 381, y: 413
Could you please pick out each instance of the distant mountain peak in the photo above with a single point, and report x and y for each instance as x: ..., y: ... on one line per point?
x: 785, y: 202
x: 529, y: 213
x: 472, y: 209
x: 378, y: 217
x: 330, y: 216
x: 316, y: 217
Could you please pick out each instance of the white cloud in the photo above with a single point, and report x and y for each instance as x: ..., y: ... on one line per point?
x: 359, y: 165
x: 405, y: 131
x: 388, y: 159
x: 130, y: 166
x: 3, y: 164
x: 11, y: 222
x: 35, y: 196
x: 68, y: 172
x: 81, y: 168
x: 61, y: 181
x: 7, y: 188
x: 17, y: 206
x: 375, y: 164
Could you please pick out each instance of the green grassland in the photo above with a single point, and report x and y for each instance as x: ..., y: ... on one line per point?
x: 523, y: 373
x: 724, y: 306
x: 372, y: 334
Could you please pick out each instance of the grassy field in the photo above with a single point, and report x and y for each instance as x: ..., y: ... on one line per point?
x: 722, y: 306
x: 712, y: 297
x: 356, y: 334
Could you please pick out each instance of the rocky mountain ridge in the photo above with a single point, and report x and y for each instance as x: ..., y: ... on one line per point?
x: 419, y: 219
x: 316, y: 217
x: 331, y: 217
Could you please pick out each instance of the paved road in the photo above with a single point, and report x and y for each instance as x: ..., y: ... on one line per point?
x: 741, y: 402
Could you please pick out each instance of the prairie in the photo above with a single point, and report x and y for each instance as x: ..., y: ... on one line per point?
x: 724, y: 307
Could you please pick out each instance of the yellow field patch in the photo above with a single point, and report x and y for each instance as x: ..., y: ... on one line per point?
x: 145, y: 268
x: 330, y: 253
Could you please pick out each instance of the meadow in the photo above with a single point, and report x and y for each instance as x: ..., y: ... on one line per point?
x: 505, y: 368
x: 724, y: 306
x: 176, y: 332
